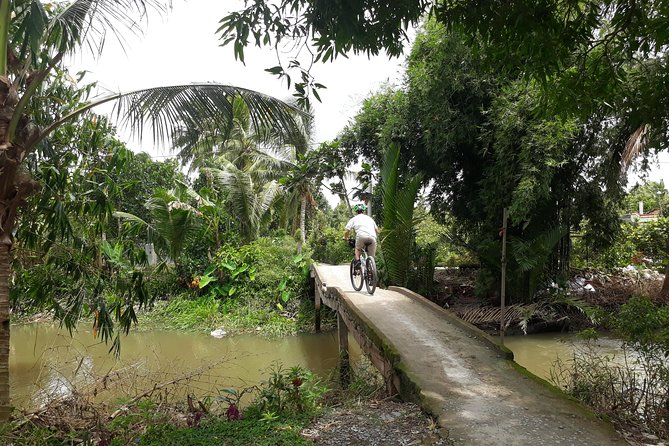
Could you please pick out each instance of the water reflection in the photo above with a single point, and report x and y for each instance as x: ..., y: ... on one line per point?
x: 45, y: 361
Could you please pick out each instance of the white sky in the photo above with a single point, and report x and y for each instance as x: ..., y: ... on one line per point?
x: 659, y: 172
x: 182, y: 48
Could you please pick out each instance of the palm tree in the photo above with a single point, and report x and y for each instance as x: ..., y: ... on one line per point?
x: 239, y: 136
x: 35, y: 36
x: 300, y: 183
x: 249, y: 187
x: 173, y: 220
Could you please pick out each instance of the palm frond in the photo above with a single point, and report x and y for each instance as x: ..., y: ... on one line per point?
x: 489, y: 315
x: 398, y: 220
x: 164, y: 110
x: 88, y: 23
x: 635, y: 145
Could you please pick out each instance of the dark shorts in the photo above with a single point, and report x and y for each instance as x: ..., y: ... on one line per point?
x: 360, y: 243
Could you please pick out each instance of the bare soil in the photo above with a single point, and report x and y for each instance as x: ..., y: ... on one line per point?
x: 376, y: 423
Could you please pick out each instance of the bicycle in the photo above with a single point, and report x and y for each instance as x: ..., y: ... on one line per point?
x: 365, y: 272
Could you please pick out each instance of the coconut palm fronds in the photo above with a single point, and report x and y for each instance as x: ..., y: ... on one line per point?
x: 635, y: 144
x: 493, y: 315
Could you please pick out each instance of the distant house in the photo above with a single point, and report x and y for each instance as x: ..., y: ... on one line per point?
x: 636, y: 217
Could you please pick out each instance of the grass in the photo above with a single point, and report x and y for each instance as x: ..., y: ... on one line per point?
x: 205, y: 314
x: 230, y: 433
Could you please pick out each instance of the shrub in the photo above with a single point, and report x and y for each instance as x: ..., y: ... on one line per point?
x: 328, y: 247
x: 288, y: 393
x: 264, y: 274
x: 633, y: 391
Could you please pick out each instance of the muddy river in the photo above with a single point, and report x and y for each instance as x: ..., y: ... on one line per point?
x: 46, y: 361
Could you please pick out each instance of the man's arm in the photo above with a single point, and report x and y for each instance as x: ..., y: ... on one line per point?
x: 345, y: 237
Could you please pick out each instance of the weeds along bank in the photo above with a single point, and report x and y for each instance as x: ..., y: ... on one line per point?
x: 634, y: 391
x: 286, y: 408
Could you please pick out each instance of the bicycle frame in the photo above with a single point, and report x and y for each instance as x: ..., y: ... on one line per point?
x: 367, y: 272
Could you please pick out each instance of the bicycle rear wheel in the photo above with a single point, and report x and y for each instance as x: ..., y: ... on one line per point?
x: 371, y: 277
x: 356, y: 276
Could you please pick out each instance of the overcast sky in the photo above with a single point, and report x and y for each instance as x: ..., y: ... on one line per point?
x: 183, y: 48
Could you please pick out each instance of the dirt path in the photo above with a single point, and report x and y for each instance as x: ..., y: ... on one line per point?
x: 466, y: 383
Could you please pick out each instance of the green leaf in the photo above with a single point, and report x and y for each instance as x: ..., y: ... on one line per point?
x: 210, y: 269
x: 285, y: 295
x: 206, y: 280
x: 298, y: 258
x: 230, y: 266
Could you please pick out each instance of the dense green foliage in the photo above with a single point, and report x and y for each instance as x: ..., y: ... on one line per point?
x: 536, y: 107
x: 476, y: 135
x: 261, y: 287
x: 636, y: 244
x: 652, y: 194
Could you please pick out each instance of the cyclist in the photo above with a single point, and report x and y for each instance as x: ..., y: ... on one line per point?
x: 365, y: 231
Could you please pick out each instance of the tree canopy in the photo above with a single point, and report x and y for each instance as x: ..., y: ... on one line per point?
x: 585, y: 56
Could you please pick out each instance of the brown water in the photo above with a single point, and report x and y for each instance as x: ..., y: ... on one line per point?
x: 539, y: 352
x: 46, y: 361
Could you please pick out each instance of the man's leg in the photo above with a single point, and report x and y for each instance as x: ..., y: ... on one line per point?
x: 371, y: 248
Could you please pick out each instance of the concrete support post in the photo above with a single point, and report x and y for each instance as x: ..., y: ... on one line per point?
x: 317, y: 309
x: 344, y: 365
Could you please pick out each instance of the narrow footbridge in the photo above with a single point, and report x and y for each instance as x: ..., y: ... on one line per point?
x: 454, y: 371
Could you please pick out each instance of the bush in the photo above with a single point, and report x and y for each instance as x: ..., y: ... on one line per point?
x: 288, y: 393
x: 328, y: 247
x: 263, y: 275
x: 163, y: 283
x: 640, y: 243
x: 634, y: 391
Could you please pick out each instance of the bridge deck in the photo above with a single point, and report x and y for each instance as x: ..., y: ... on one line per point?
x: 454, y: 374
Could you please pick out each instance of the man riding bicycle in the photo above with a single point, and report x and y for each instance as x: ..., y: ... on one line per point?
x: 365, y: 231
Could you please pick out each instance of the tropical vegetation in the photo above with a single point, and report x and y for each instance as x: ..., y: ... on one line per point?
x: 485, y: 122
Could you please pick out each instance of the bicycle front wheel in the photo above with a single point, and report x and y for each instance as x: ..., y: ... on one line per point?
x: 356, y: 276
x: 371, y: 277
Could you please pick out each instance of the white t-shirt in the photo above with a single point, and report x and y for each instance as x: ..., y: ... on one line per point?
x: 364, y: 226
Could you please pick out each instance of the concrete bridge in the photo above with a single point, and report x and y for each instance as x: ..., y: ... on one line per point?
x: 454, y: 371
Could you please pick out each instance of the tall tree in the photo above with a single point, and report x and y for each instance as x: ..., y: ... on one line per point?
x: 249, y: 188
x: 35, y: 36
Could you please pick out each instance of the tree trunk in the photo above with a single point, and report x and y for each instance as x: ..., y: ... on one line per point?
x: 15, y: 186
x: 5, y: 408
x: 303, y: 216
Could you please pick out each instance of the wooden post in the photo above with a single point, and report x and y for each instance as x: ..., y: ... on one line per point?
x: 344, y: 366
x: 502, y: 324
